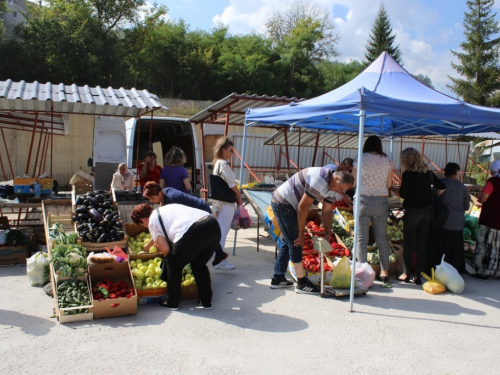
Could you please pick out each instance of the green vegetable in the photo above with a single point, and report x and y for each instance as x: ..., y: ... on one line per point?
x: 373, y: 258
x: 393, y: 258
x: 73, y: 293
x: 467, y: 234
x: 69, y: 259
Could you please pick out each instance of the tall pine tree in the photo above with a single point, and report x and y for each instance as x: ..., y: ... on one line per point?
x: 381, y: 38
x: 479, y: 57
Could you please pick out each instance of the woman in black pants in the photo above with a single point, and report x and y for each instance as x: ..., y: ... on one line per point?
x: 417, y: 194
x: 184, y: 235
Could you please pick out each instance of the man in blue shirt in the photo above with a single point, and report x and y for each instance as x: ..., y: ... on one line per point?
x: 156, y: 195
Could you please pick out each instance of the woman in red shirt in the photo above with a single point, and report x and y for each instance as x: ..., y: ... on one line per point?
x: 152, y: 172
x: 487, y: 256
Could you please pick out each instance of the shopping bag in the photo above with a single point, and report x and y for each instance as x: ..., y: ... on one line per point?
x: 449, y: 277
x: 245, y: 220
x: 365, y: 275
x: 341, y: 276
x: 119, y: 253
x: 235, y: 223
x: 433, y: 286
x: 37, y: 268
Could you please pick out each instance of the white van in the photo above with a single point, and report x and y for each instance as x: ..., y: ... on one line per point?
x: 118, y: 141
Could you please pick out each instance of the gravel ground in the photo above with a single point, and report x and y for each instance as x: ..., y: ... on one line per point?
x: 253, y: 329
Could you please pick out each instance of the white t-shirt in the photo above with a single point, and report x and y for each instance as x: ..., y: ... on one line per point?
x: 374, y: 174
x: 176, y: 218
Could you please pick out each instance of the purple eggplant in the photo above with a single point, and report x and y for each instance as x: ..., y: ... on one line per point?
x: 95, y: 215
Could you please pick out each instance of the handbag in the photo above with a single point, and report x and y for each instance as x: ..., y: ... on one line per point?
x: 219, y: 190
x: 163, y: 264
x: 440, y: 212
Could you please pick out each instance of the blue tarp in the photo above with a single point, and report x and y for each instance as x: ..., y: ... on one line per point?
x: 395, y: 104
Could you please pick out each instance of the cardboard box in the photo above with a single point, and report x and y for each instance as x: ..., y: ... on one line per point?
x: 111, y: 308
x: 273, y: 227
x: 159, y: 292
x: 13, y: 254
x: 189, y: 292
x: 25, y: 185
x: 337, y: 215
x: 151, y: 300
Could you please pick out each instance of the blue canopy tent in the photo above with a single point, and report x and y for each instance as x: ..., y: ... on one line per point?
x: 384, y: 100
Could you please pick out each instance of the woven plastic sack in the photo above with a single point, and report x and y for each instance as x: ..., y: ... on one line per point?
x: 433, y: 286
x: 449, y: 277
x: 341, y: 275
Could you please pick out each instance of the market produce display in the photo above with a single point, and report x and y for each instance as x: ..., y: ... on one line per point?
x: 73, y: 293
x: 147, y: 274
x: 187, y: 276
x: 339, y: 230
x: 59, y: 236
x: 374, y: 257
x: 315, y: 228
x: 471, y: 227
x: 97, y: 218
x: 69, y: 260
x: 312, y: 263
x: 348, y: 216
x: 107, y: 289
x: 136, y: 244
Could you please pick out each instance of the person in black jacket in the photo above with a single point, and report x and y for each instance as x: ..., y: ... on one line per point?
x: 416, y: 191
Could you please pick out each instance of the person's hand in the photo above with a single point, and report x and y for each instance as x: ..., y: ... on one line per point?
x: 300, y: 240
x: 147, y: 160
x: 239, y: 201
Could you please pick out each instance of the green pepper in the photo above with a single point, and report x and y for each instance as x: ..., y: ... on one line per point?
x: 103, y: 291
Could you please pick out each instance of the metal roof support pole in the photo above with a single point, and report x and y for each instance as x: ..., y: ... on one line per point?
x: 315, y: 150
x: 423, y: 145
x: 137, y: 152
x: 151, y: 133
x: 446, y: 149
x: 4, y: 176
x: 31, y: 143
x: 460, y: 163
x: 51, y: 139
x: 38, y: 150
x: 203, y: 161
x: 226, y: 121
x: 356, y: 205
x: 338, y: 148
x: 287, y: 150
x: 276, y: 163
x: 391, y: 147
x: 42, y: 141
x: 7, y: 152
x: 241, y: 172
x: 489, y: 159
x: 298, y: 157
x: 45, y: 151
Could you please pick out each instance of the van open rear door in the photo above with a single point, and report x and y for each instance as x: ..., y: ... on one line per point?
x: 110, y: 149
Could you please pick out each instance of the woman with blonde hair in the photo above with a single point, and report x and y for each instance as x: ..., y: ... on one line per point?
x: 224, y: 211
x: 174, y: 175
x: 416, y: 191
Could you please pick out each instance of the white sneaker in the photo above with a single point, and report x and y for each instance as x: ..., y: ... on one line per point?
x: 224, y: 265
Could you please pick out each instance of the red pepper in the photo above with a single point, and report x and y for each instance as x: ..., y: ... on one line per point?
x: 97, y: 295
x: 112, y: 295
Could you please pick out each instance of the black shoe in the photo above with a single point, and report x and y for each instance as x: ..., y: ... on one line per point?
x: 201, y: 306
x: 480, y: 277
x: 218, y: 259
x: 165, y: 305
x: 417, y: 280
x: 307, y: 288
x: 282, y: 283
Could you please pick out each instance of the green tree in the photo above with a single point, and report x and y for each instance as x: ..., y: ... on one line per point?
x: 337, y: 73
x: 422, y: 78
x: 381, y: 38
x: 281, y: 23
x: 479, y: 58
x: 3, y: 8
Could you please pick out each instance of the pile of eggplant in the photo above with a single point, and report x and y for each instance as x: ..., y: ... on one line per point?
x: 97, y: 218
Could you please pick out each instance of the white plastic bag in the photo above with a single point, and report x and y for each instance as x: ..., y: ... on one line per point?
x: 37, y: 268
x: 365, y: 275
x: 449, y: 276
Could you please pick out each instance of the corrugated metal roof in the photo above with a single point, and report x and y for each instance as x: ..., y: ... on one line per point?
x: 237, y: 105
x: 344, y: 140
x: 30, y: 98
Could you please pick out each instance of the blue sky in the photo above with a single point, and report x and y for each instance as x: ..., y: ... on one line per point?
x: 426, y: 30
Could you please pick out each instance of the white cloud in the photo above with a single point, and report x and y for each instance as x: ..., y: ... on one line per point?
x: 417, y: 28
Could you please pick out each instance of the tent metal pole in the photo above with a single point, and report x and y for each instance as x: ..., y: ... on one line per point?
x: 391, y: 148
x: 356, y: 205
x: 241, y: 173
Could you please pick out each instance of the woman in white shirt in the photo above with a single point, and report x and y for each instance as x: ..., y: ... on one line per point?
x: 123, y: 179
x: 224, y: 211
x: 184, y: 235
x: 376, y: 179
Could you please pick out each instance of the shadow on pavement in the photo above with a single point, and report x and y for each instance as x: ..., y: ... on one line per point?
x: 13, y: 270
x: 29, y: 324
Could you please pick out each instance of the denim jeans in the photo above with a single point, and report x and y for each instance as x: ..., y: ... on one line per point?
x: 286, y: 216
x: 417, y: 224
